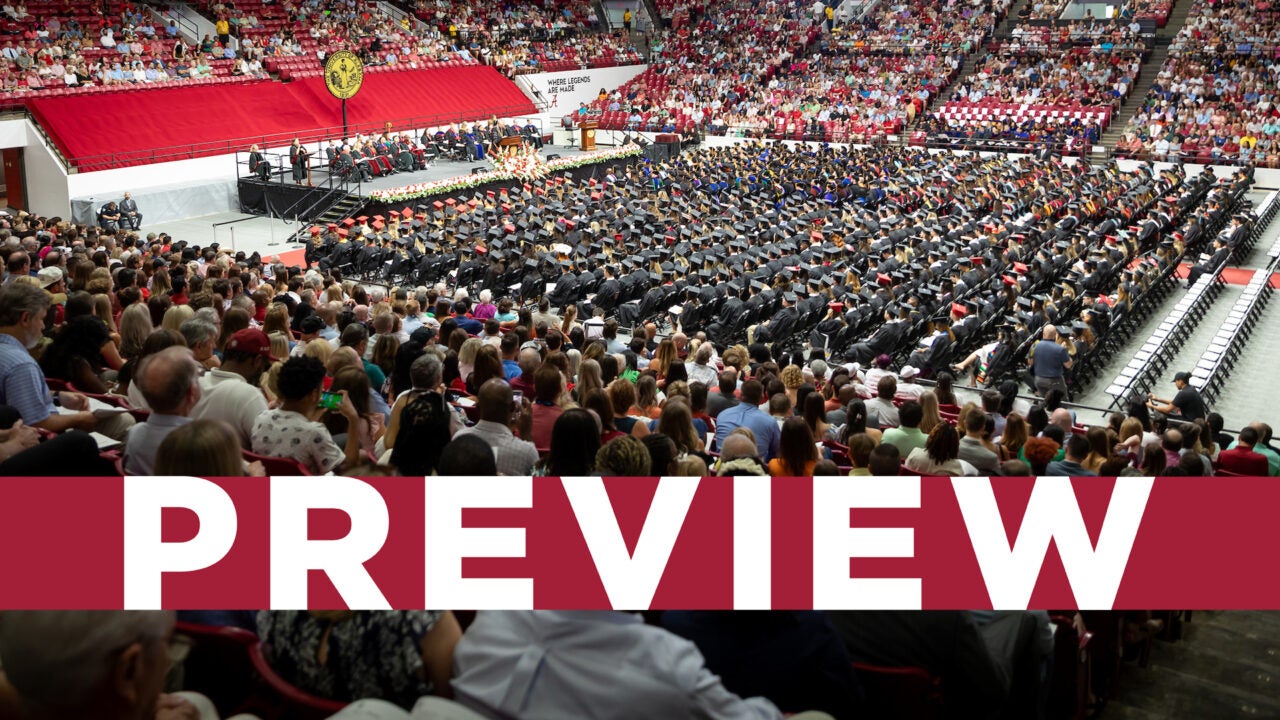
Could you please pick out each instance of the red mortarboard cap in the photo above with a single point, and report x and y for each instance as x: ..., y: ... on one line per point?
x: 959, y: 309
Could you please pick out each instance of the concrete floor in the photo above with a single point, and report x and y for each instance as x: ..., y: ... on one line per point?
x: 1226, y: 666
x: 1251, y: 391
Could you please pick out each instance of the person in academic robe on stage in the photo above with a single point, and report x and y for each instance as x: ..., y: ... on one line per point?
x: 301, y: 161
x: 258, y: 164
x: 406, y: 157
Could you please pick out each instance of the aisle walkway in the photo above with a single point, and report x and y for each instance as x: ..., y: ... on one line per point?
x: 1226, y: 666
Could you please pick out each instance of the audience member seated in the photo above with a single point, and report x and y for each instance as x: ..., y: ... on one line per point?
x: 397, y: 656
x: 293, y: 430
x: 562, y: 663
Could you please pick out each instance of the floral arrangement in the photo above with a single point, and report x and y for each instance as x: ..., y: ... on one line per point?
x: 503, y: 172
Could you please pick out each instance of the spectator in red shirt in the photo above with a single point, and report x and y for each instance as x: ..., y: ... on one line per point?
x: 1241, y: 459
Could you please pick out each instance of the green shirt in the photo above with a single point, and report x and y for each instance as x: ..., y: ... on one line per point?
x: 376, y: 377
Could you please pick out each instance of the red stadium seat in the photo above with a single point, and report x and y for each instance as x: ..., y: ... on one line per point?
x: 279, y: 699
x: 900, y: 692
x: 276, y: 465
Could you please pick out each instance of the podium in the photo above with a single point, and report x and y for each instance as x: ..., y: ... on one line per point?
x: 588, y: 130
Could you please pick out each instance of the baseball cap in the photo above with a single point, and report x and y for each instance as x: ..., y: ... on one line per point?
x: 253, y: 342
x: 1182, y: 377
x: 48, y: 276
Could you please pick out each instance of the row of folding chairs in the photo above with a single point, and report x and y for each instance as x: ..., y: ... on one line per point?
x: 1143, y: 371
x: 1225, y: 348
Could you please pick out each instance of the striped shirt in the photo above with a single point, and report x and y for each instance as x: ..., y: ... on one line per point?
x: 22, y: 385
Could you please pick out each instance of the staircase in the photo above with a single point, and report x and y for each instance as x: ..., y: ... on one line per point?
x: 652, y: 7
x: 971, y: 60
x: 344, y: 205
x: 1146, y: 78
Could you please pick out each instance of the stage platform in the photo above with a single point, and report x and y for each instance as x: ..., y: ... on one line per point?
x: 282, y: 197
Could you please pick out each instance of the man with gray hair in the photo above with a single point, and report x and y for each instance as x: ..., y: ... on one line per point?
x: 22, y: 385
x: 169, y: 380
x: 701, y: 369
x: 202, y: 338
x: 107, y: 665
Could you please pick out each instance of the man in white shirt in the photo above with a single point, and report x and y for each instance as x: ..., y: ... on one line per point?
x: 589, y: 664
x: 230, y: 393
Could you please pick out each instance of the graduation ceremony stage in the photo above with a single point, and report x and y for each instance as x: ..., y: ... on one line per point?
x: 281, y: 197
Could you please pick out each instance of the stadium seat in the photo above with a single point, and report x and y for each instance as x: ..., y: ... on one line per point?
x: 279, y: 700
x: 218, y: 664
x: 900, y: 692
x: 276, y: 465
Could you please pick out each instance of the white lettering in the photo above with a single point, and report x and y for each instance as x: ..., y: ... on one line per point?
x: 448, y: 542
x: 835, y: 542
x: 1053, y: 513
x: 342, y: 560
x: 630, y: 581
x: 147, y: 557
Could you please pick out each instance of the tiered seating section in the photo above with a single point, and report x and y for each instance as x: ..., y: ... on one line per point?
x: 588, y: 50
x: 513, y: 19
x: 1213, y: 101
x: 1063, y: 96
x: 69, y: 47
x: 868, y: 79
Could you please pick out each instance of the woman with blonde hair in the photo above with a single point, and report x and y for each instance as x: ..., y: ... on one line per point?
x: 277, y: 321
x: 929, y: 407
x: 279, y: 344
x: 208, y: 448
x: 792, y: 378
x: 175, y: 316
x: 318, y: 349
x: 135, y: 328
x: 467, y: 357
x: 589, y: 379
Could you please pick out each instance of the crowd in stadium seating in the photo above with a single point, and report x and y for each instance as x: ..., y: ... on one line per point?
x: 869, y: 78
x: 1062, y: 77
x: 865, y: 251
x: 519, y: 56
x: 674, y: 663
x: 1208, y: 108
x: 1214, y: 98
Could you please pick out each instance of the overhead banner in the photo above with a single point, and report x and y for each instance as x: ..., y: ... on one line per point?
x: 565, y: 91
x: 639, y: 543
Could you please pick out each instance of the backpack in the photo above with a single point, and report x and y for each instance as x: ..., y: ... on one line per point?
x: 424, y: 431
